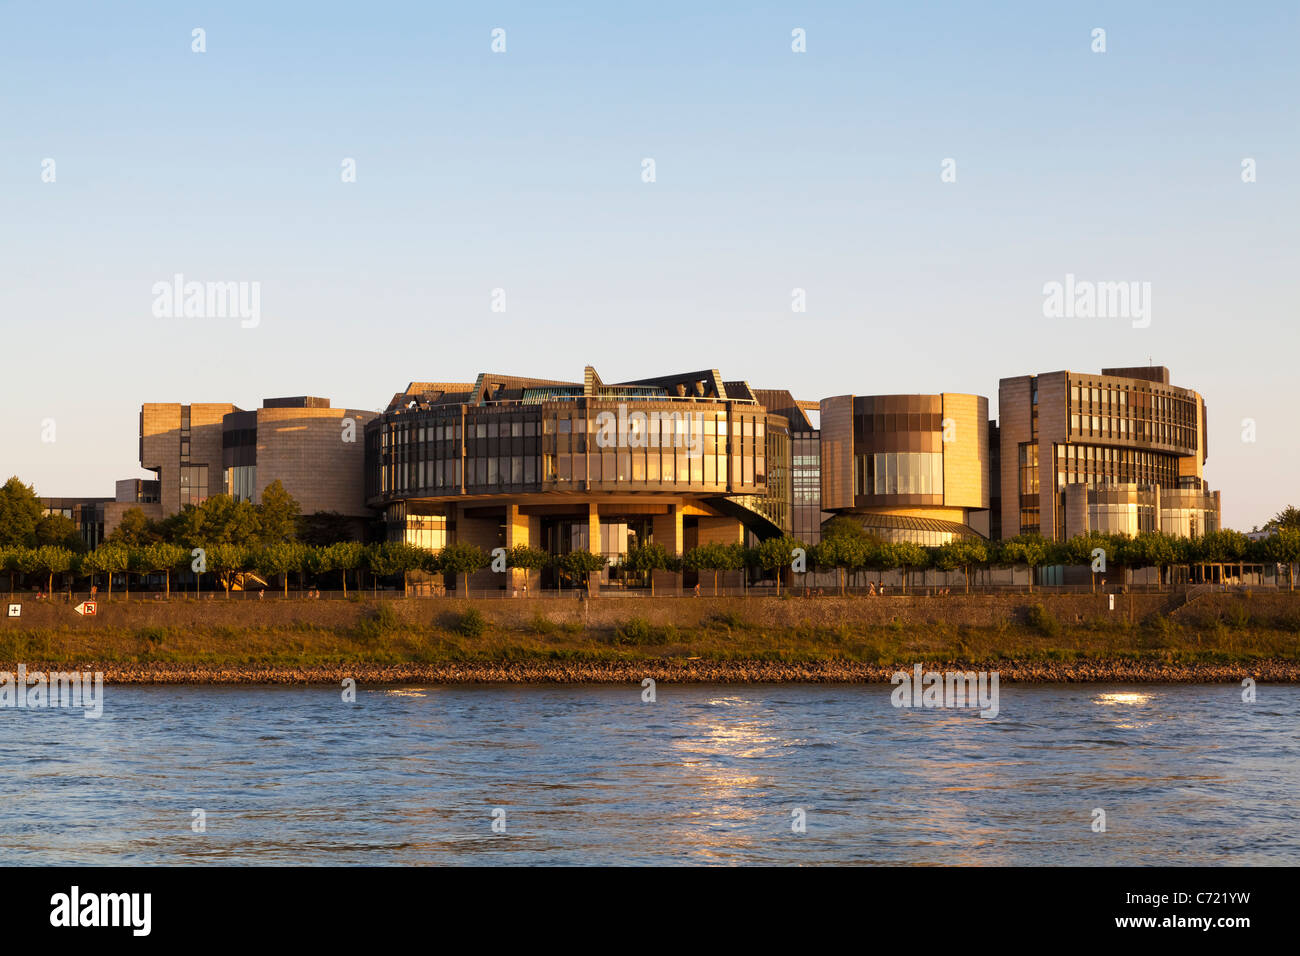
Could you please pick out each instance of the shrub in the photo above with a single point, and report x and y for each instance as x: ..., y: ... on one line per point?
x: 1162, y: 625
x: 1042, y: 620
x: 382, y: 622
x: 541, y: 624
x: 154, y: 635
x: 635, y: 630
x: 730, y: 620
x: 472, y: 623
x: 1236, y: 615
x: 385, y: 618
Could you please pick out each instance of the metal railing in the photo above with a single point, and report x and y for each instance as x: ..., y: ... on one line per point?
x: 1181, y: 592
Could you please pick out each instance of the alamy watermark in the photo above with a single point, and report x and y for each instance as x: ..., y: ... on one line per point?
x: 1084, y: 299
x: 654, y: 429
x: 951, y: 689
x: 179, y: 299
x: 39, y: 690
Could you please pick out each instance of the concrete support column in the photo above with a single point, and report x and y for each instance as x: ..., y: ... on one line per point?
x: 593, y: 543
x: 667, y: 531
x: 722, y: 531
x: 519, y: 534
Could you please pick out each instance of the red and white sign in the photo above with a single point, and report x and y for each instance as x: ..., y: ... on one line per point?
x: 85, y: 608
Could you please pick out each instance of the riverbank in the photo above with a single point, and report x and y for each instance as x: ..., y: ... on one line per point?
x: 682, y: 671
x: 1070, y: 637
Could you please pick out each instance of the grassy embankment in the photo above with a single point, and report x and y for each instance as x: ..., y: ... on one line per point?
x: 1227, y: 632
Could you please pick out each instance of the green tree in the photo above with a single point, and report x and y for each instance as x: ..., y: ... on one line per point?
x: 112, y: 559
x: 843, y: 526
x: 647, y: 559
x: 323, y: 528
x: 1288, y: 517
x: 20, y: 511
x: 52, y: 560
x: 885, y: 557
x: 59, y: 531
x: 345, y: 556
x: 1030, y: 550
x: 135, y: 530
x: 217, y: 520
x: 464, y: 559
x: 1079, y: 550
x: 581, y: 564
x: 1283, y: 547
x: 527, y: 559
x: 226, y: 560
x: 1220, y: 548
x: 910, y: 557
x: 402, y: 558
x: 1155, y: 550
x: 279, y: 559
x: 843, y: 553
x: 161, y: 557
x: 277, y: 515
x: 9, y: 562
x: 950, y: 556
x: 716, y: 558
x: 316, y: 561
x: 775, y: 555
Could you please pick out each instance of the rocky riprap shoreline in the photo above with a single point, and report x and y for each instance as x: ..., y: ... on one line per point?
x: 677, y: 671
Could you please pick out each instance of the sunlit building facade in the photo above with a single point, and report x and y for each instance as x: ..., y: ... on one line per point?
x: 1120, y: 451
x: 504, y: 461
x: 911, y: 468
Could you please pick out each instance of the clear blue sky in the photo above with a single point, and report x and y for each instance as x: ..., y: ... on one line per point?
x: 522, y: 171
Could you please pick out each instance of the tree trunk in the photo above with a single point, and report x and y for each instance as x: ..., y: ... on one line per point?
x: 167, y: 579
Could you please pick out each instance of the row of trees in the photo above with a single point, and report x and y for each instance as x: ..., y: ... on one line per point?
x: 220, y: 519
x: 226, y: 564
x: 227, y: 538
x: 845, y: 549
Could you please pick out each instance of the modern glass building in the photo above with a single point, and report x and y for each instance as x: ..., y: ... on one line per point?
x: 908, y: 467
x: 690, y: 459
x: 804, y: 480
x: 503, y: 461
x: 1120, y: 451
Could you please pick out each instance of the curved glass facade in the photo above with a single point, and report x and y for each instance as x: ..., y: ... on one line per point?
x: 904, y: 473
x: 911, y: 459
x: 579, y: 445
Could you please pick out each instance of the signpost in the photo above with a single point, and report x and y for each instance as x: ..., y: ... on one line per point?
x: 15, y: 610
x: 85, y: 608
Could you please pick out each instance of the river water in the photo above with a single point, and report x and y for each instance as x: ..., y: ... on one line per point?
x: 1186, y: 774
